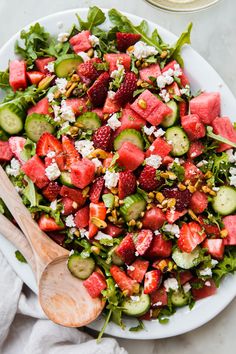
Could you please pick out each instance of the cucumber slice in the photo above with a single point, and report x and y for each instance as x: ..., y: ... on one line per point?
x: 12, y: 116
x: 67, y: 64
x: 171, y: 119
x: 65, y: 179
x: 178, y: 139
x: 115, y: 258
x: 3, y: 135
x: 224, y: 202
x: 37, y: 124
x: 133, y: 206
x: 80, y: 267
x: 185, y: 260
x: 137, y: 307
x: 179, y: 298
x: 108, y: 200
x: 88, y: 121
x: 131, y: 135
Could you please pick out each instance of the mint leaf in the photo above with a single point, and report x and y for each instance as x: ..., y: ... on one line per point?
x: 20, y: 257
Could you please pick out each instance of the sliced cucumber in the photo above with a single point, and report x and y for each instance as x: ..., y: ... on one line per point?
x: 89, y: 121
x: 179, y: 298
x: 138, y: 306
x: 12, y: 116
x: 65, y: 179
x: 37, y: 124
x: 3, y: 135
x: 67, y: 64
x: 171, y: 119
x: 80, y: 267
x: 133, y: 206
x: 224, y: 202
x: 178, y: 139
x: 131, y: 135
x: 108, y: 200
x: 115, y: 258
x: 185, y: 260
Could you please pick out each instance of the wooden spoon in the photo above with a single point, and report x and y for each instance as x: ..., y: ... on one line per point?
x: 62, y: 296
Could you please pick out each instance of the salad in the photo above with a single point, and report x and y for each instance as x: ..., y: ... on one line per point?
x: 119, y: 162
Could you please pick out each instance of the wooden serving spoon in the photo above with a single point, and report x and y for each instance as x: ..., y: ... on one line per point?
x: 63, y: 297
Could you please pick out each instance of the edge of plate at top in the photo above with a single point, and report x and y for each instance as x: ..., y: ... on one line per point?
x: 196, y: 68
x: 184, y: 7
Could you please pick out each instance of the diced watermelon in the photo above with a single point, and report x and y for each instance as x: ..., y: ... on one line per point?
x: 159, y: 147
x: 78, y: 105
x: 151, y: 71
x: 159, y: 113
x: 125, y: 283
x: 113, y: 230
x: 183, y: 108
x: 211, y: 229
x: 138, y: 269
x: 195, y: 150
x: 42, y: 107
x: 74, y: 194
x: 224, y: 127
x: 130, y: 120
x: 199, y: 202
x: 17, y: 74
x: 80, y: 42
x: 193, y: 126
x: 130, y: 156
x: 215, y: 247
x: 206, y: 106
x: 34, y: 168
x: 46, y: 223
x: 173, y: 90
x: 6, y: 153
x: 150, y: 100
x: 82, y: 173
x: 167, y: 160
x: 173, y: 215
x: 205, y: 291
x: 159, y: 248
x: 82, y: 217
x: 34, y: 77
x: 185, y: 276
x: 230, y: 225
x: 17, y: 144
x: 126, y: 249
x: 110, y: 106
x: 95, y: 283
x: 42, y: 62
x: 69, y: 206
x: 113, y: 59
x: 153, y: 219
x: 191, y: 171
x: 183, y: 78
x: 159, y: 297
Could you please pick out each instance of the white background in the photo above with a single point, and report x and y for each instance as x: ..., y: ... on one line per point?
x: 214, y: 36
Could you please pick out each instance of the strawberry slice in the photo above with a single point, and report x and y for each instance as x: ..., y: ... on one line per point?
x: 74, y: 194
x: 98, y: 211
x: 209, y: 228
x: 138, y: 269
x: 127, y: 184
x: 125, y: 92
x: 95, y: 283
x: 47, y: 143
x: 102, y: 138
x: 147, y: 179
x: 143, y: 241
x: 125, y: 40
x: 17, y: 144
x: 82, y: 217
x: 215, y: 247
x: 152, y: 281
x: 159, y: 248
x: 191, y: 235
x: 71, y: 154
x: 88, y: 72
x: 46, y: 223
x: 125, y: 283
x: 51, y: 191
x: 126, y: 249
x: 96, y: 189
x: 173, y: 215
x: 97, y: 93
x: 69, y: 206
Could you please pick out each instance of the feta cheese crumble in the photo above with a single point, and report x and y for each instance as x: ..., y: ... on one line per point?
x: 111, y: 94
x: 149, y: 131
x: 51, y: 154
x: 141, y: 50
x: 94, y: 40
x: 154, y: 161
x: 114, y: 122
x: 61, y: 84
x: 231, y: 155
x: 214, y: 262
x: 50, y: 67
x: 84, y: 56
x: 135, y: 298
x: 111, y: 179
x: 185, y: 90
x: 101, y: 236
x: 83, y: 233
x: 67, y: 112
x: 96, y: 162
x: 70, y: 221
x: 53, y: 205
x: 206, y: 272
x: 52, y: 171
x: 63, y: 37
x: 202, y: 163
x: 171, y: 284
x: 164, y: 94
x: 14, y: 168
x: 158, y: 303
x: 172, y: 229
x: 130, y: 268
x: 136, y: 254
x: 159, y: 132
x: 232, y: 178
x: 186, y: 287
x: 207, y: 283
x: 161, y: 81
x: 84, y: 147
x: 157, y: 232
x: 50, y: 96
x: 119, y: 72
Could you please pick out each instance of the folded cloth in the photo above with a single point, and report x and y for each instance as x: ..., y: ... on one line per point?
x: 24, y: 329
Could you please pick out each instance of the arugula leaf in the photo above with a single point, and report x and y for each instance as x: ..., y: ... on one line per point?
x: 226, y: 266
x: 104, y: 326
x: 30, y: 193
x: 4, y: 80
x: 20, y: 257
x: 178, y: 170
x: 219, y: 137
x: 137, y: 328
x: 175, y: 50
x: 28, y: 150
x: 116, y: 317
x: 95, y: 17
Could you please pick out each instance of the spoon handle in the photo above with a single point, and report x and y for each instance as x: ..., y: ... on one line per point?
x: 16, y: 237
x: 45, y: 250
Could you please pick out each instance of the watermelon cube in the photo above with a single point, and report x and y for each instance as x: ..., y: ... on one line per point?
x: 42, y: 107
x: 193, y: 126
x: 42, y: 62
x: 206, y: 106
x: 159, y: 113
x: 95, y: 283
x: 153, y: 219
x: 195, y: 150
x: 138, y: 269
x: 113, y: 59
x: 159, y: 248
x: 80, y: 42
x: 125, y: 283
x: 173, y: 90
x: 150, y: 102
x: 183, y: 78
x: 69, y: 206
x: 35, y: 77
x: 185, y: 276
x: 74, y: 194
x: 159, y: 297
x: 130, y: 156
x: 34, y: 168
x: 183, y: 108
x: 6, y: 153
x: 78, y: 105
x: 191, y: 172
x: 230, y: 225
x: 110, y: 106
x: 82, y: 217
x: 159, y: 147
x: 151, y: 71
x: 113, y: 230
x: 17, y: 75
x: 126, y: 249
x: 17, y: 144
x: 204, y: 291
x: 215, y: 247
x: 130, y: 120
x: 223, y: 126
x: 82, y: 173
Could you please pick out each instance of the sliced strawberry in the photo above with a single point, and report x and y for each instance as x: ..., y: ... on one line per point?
x: 82, y: 173
x: 195, y: 150
x: 34, y: 168
x: 47, y: 143
x: 96, y: 190
x: 82, y: 217
x: 88, y: 72
x: 126, y: 249
x: 159, y: 248
x: 138, y: 269
x: 97, y: 93
x: 159, y: 297
x: 199, y: 202
x: 113, y: 230
x: 127, y: 184
x: 70, y: 152
x: 125, y: 283
x: 191, y: 235
x: 102, y: 138
x: 152, y: 281
x: 34, y: 77
x: 110, y: 106
x: 98, y: 211
x: 6, y: 153
x: 173, y: 215
x: 209, y: 228
x: 51, y: 191
x: 125, y: 92
x: 95, y: 283
x: 74, y: 194
x: 148, y: 180
x: 143, y: 241
x: 125, y: 40
x: 153, y: 219
x: 46, y: 223
x: 69, y: 206
x: 17, y: 144
x: 215, y: 247
x: 205, y: 291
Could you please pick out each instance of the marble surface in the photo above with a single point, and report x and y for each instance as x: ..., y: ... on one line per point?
x: 214, y: 37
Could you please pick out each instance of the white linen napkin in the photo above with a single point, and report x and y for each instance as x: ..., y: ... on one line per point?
x: 24, y: 328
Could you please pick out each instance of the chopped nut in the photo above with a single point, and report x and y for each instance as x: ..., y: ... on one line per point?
x: 142, y: 214
x: 168, y: 174
x: 208, y: 174
x: 95, y: 249
x: 114, y: 213
x: 74, y: 205
x: 142, y: 103
x: 191, y: 189
x: 144, y: 65
x: 57, y: 94
x: 187, y: 182
x: 99, y: 153
x: 139, y: 224
x: 181, y: 187
x: 85, y: 191
x: 164, y: 54
x: 144, y: 84
x: 74, y: 131
x: 193, y: 215
x: 149, y: 206
x: 171, y: 202
x: 138, y: 63
x: 160, y: 197
x: 139, y: 83
x: 132, y: 222
x: 223, y: 233
x: 72, y: 87
x: 116, y: 202
x: 77, y: 233
x: 75, y: 78
x: 114, y: 190
x: 90, y: 52
x: 121, y: 202
x: 206, y: 189
x: 98, y: 222
x: 106, y: 116
x: 130, y: 49
x: 151, y: 195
